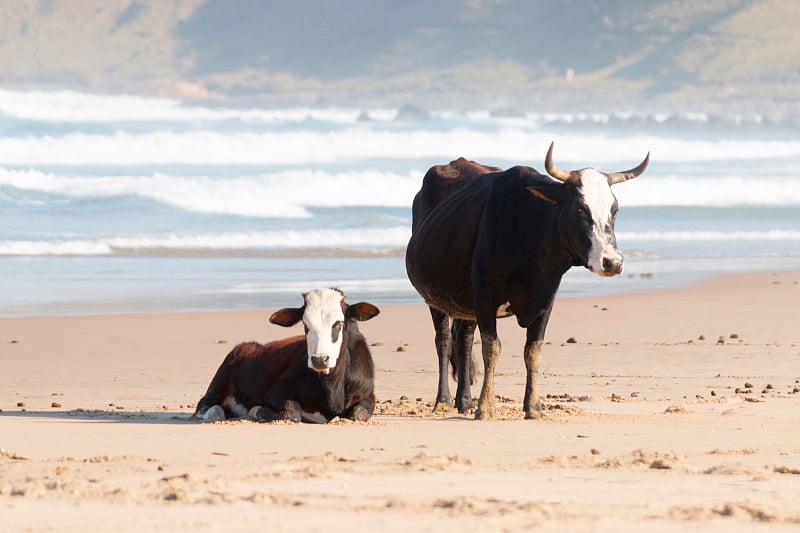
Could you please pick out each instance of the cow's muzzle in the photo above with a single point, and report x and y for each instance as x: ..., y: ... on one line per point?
x: 612, y: 266
x: 320, y: 363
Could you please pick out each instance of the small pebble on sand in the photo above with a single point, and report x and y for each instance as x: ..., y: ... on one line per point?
x: 571, y: 340
x: 20, y: 404
x: 55, y: 405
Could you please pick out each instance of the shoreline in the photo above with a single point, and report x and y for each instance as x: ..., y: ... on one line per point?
x: 649, y: 423
x: 128, y: 286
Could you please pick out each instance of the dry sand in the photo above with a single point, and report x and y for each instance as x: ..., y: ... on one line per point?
x: 644, y: 428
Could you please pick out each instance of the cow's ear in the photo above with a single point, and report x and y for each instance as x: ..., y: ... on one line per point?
x: 362, y: 311
x: 549, y: 197
x: 288, y: 316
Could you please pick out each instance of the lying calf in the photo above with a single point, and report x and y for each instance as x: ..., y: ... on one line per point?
x: 327, y: 373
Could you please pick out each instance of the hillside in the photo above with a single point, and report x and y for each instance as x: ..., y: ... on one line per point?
x: 498, y: 54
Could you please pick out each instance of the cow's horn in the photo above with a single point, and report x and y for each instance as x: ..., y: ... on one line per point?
x: 618, y: 177
x: 556, y: 172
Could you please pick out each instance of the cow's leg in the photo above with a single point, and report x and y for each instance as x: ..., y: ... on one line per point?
x: 292, y: 411
x: 533, y: 356
x: 313, y: 418
x: 209, y: 413
x: 261, y: 413
x: 360, y: 412
x: 490, y: 346
x: 463, y: 334
x: 444, y: 345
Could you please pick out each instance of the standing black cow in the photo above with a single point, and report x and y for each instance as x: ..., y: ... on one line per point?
x: 499, y: 245
x: 439, y: 183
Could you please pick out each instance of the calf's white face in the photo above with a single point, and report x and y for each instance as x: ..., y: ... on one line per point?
x: 324, y: 321
x: 604, y: 258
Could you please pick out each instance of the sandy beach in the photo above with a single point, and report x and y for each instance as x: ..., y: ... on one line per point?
x: 672, y: 410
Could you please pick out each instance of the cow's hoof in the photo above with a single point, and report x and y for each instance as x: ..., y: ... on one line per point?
x: 361, y: 413
x: 465, y: 406
x: 215, y: 413
x: 483, y: 414
x: 534, y: 413
x: 292, y: 412
x: 257, y: 414
x: 442, y: 407
x: 314, y: 418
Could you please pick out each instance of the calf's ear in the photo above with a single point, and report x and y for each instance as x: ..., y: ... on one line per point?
x: 288, y: 316
x: 361, y: 311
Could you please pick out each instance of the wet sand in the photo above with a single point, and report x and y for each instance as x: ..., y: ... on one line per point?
x: 673, y: 410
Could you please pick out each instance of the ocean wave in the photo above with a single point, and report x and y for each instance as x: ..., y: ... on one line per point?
x: 364, y: 143
x: 77, y: 107
x: 718, y: 191
x: 74, y: 107
x: 375, y: 241
x: 331, y: 242
x: 283, y: 194
x: 711, y: 236
x: 289, y: 194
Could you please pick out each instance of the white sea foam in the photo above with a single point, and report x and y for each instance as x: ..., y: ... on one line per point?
x: 364, y: 142
x: 349, y: 238
x: 70, y: 106
x: 77, y: 107
x: 710, y: 236
x: 288, y: 194
x: 364, y: 239
x: 721, y: 191
x: 284, y: 194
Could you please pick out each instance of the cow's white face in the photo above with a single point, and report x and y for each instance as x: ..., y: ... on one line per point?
x: 600, y: 204
x: 324, y: 321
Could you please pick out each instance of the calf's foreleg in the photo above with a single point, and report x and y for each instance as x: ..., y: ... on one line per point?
x: 360, y: 412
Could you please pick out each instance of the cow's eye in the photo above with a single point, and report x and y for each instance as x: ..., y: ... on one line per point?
x: 336, y: 329
x: 580, y: 211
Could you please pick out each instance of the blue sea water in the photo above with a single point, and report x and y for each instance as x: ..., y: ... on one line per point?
x: 116, y: 204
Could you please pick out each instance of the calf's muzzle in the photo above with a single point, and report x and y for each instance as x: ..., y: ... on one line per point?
x: 320, y: 362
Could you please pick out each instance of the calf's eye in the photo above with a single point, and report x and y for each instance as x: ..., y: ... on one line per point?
x: 336, y: 329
